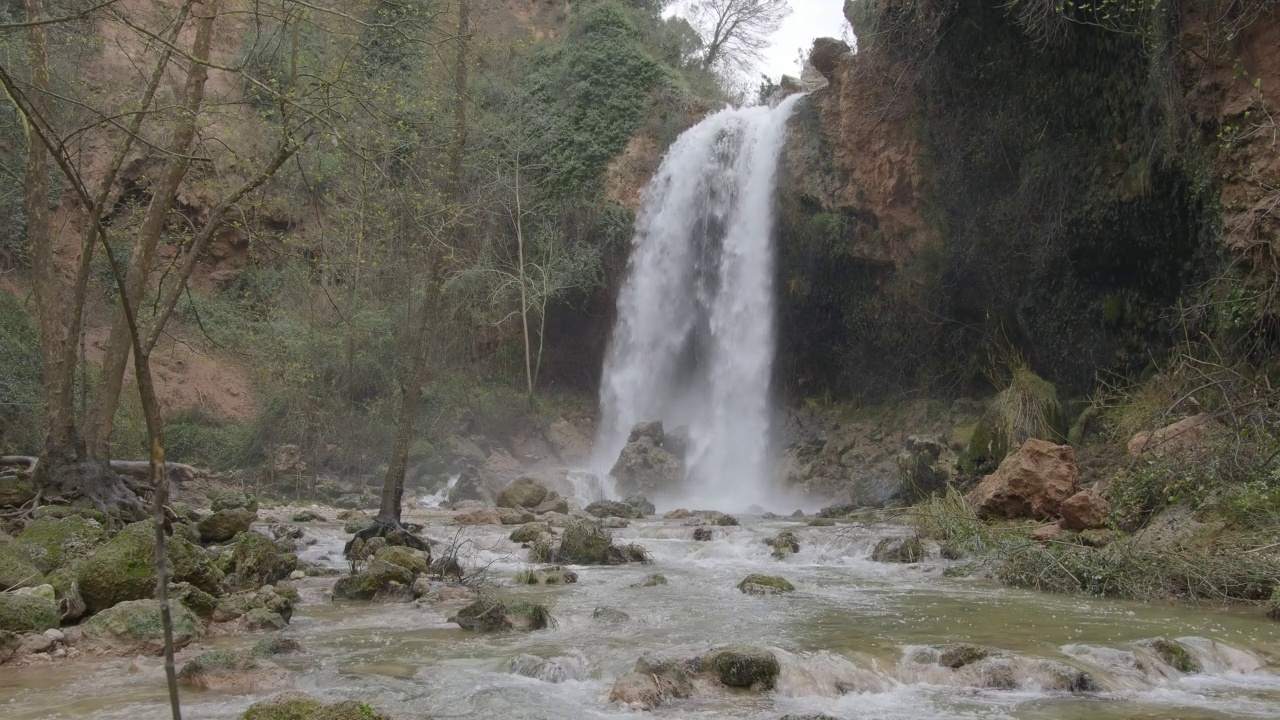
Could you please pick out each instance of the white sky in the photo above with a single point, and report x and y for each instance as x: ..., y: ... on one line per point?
x: 809, y: 19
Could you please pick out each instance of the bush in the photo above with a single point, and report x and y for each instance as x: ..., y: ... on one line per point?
x: 21, y: 399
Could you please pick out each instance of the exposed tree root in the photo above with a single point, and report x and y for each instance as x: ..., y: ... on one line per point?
x: 394, y: 533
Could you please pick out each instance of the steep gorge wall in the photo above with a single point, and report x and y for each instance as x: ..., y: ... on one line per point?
x: 962, y: 185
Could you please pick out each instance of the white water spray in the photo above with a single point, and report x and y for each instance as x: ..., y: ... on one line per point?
x: 694, y: 340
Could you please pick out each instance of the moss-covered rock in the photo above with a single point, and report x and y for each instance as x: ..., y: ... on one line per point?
x: 489, y: 614
x: 376, y: 578
x: 783, y: 544
x: 407, y: 558
x: 233, y: 499
x: 652, y: 580
x: 16, y: 568
x: 297, y: 706
x: 136, y: 624
x: 588, y: 543
x: 240, y: 673
x: 9, y: 643
x: 609, y: 616
x: 654, y: 681
x: 745, y: 667
x: 27, y: 613
x: 613, y: 508
x: 276, y: 600
x: 306, y: 516
x: 899, y: 550
x: 530, y: 532
x: 264, y: 619
x: 1174, y: 654
x: 756, y: 584
x: 554, y: 575
x: 223, y: 525
x: 524, y: 492
x: 197, y: 601
x: 255, y: 562
x: 959, y: 655
x: 15, y: 492
x: 124, y: 568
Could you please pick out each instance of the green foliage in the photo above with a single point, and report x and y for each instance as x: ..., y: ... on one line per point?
x: 21, y: 397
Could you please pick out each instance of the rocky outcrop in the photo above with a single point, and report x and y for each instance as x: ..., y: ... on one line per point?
x: 1032, y: 482
x: 645, y: 466
x: 783, y: 544
x: 124, y: 568
x: 585, y: 542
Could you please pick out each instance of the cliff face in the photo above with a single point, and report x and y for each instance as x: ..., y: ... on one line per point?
x: 962, y: 184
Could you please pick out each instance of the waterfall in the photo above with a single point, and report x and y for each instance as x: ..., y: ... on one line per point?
x: 694, y: 341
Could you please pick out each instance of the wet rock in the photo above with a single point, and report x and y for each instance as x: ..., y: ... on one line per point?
x: 415, y: 561
x: 306, y: 516
x: 255, y: 561
x: 797, y: 514
x: 757, y: 584
x: 524, y: 492
x: 62, y: 541
x: 1055, y: 676
x: 470, y: 486
x: 15, y: 492
x: 993, y: 673
x: 717, y: 518
x: 677, y: 514
x: 135, y: 626
x: 702, y: 534
x: 837, y: 511
x: 479, y: 516
x: 16, y: 567
x: 557, y: 519
x: 585, y: 542
x: 124, y: 568
x: 1032, y: 482
x: 375, y: 578
x: 652, y: 580
x: 20, y: 613
x: 644, y: 467
x: 899, y: 550
x: 962, y: 654
x: 610, y: 616
x: 653, y: 682
x: 223, y: 525
x: 509, y: 516
x: 233, y: 499
x: 554, y: 575
x: 435, y: 591
x: 1086, y: 510
x: 298, y: 706
x: 240, y: 673
x: 530, y: 532
x: 285, y: 531
x: 1174, y: 654
x: 259, y: 619
x: 553, y: 503
x: 783, y: 544
x: 34, y: 643
x: 356, y: 522
x: 197, y: 601
x: 613, y: 508
x: 555, y: 670
x: 641, y: 504
x: 745, y: 667
x: 615, y: 523
x: 489, y: 614
x: 10, y: 642
x: 278, y: 601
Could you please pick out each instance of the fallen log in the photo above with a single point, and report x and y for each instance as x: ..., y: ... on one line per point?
x: 178, y: 472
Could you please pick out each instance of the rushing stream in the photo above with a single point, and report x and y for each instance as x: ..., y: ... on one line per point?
x: 847, y: 639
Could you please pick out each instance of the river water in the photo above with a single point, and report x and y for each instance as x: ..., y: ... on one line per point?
x: 849, y: 640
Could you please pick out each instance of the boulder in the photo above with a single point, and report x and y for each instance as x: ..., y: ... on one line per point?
x: 1047, y: 533
x: 612, y: 508
x: 135, y: 625
x: 62, y: 541
x: 644, y: 467
x: 783, y: 544
x: 355, y: 522
x: 1273, y: 605
x: 588, y: 543
x: 15, y: 492
x: 568, y: 441
x: 651, y: 430
x: 274, y: 600
x: 239, y: 673
x: 1032, y: 482
x: 1174, y: 654
x: 259, y: 619
x: 416, y: 562
x: 1181, y: 439
x: 609, y: 616
x: 16, y: 567
x: 431, y: 591
x: 232, y: 499
x: 512, y: 516
x: 554, y: 670
x: 530, y: 532
x: 553, y: 575
x: 615, y: 523
x: 552, y: 503
x: 652, y: 682
x: 489, y: 614
x: 124, y: 568
x: 298, y: 706
x: 10, y: 642
x: 525, y: 492
x: 197, y: 601
x: 1086, y: 510
x: 256, y: 561
x: 21, y: 613
x: 757, y: 584
x: 826, y: 55
x: 702, y: 534
x: 653, y: 580
x: 898, y: 550
x: 223, y: 525
x: 470, y: 487
x: 641, y: 504
x: 744, y: 667
x: 306, y: 516
x: 479, y: 516
x: 377, y: 580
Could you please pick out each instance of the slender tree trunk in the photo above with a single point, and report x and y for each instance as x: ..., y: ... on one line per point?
x: 524, y: 291
x: 102, y: 415
x: 389, y: 510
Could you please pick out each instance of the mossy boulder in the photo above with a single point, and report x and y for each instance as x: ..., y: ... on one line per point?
x: 613, y: 508
x: 240, y: 673
x: 899, y: 550
x: 9, y: 643
x: 263, y: 619
x: 702, y: 534
x: 298, y: 706
x: 745, y: 667
x: 1174, y: 654
x: 654, y: 681
x: 15, y: 492
x: 256, y: 561
x: 757, y: 584
x: 585, y: 542
x: 16, y: 568
x: 470, y: 486
x: 124, y: 568
x: 652, y: 580
x: 378, y: 580
x: 489, y: 614
x: 610, y: 616
x: 197, y: 601
x: 641, y: 504
x: 554, y: 575
x: 783, y: 544
x: 357, y: 523
x: 278, y: 601
x: 21, y: 613
x: 958, y: 655
x: 63, y: 540
x: 530, y: 532
x: 223, y: 525
x: 136, y: 625
x: 232, y: 499
x: 306, y: 516
x: 408, y: 558
x: 524, y: 492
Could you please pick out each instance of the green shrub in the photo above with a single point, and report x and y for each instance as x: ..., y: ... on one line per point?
x: 21, y: 399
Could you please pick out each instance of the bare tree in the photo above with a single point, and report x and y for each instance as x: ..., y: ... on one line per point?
x: 735, y: 33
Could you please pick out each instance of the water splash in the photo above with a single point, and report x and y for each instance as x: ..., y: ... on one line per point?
x: 694, y: 340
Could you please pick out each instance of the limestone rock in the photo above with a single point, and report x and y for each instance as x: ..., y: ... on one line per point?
x: 479, y: 516
x: 899, y: 550
x: 653, y: 682
x: 553, y: 575
x: 644, y: 467
x: 1032, y: 482
x: 1086, y: 510
x: 470, y: 487
x: 135, y: 625
x: 1181, y: 439
x: 745, y: 667
x: 239, y: 673
x: 641, y: 504
x: 756, y: 584
x: 62, y: 540
x: 612, y: 508
x: 124, y: 568
x: 702, y: 534
x: 233, y: 499
x: 489, y: 614
x: 783, y: 544
x: 530, y: 532
x: 21, y: 613
x: 552, y: 503
x: 524, y: 492
x: 223, y: 525
x: 826, y: 56
x: 298, y: 706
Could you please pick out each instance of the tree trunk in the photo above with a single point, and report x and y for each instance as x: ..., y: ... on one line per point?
x: 389, y: 509
x: 102, y: 415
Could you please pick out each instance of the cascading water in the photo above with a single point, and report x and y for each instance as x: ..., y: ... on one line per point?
x: 694, y: 340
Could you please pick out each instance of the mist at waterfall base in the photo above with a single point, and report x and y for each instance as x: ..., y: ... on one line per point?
x: 694, y: 341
